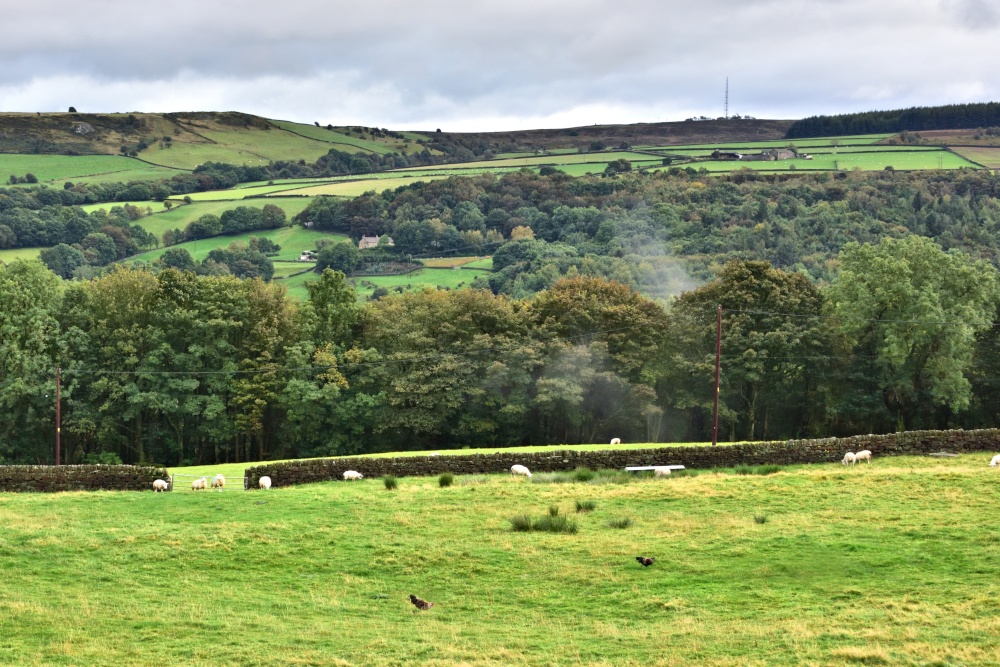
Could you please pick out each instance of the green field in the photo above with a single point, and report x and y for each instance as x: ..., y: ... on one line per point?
x: 484, y: 263
x: 8, y: 255
x: 82, y: 168
x: 355, y: 188
x: 988, y: 157
x: 237, y: 146
x: 450, y: 278
x: 296, y: 286
x: 914, y: 160
x: 350, y: 143
x: 180, y: 216
x: 285, y: 268
x: 893, y: 564
x: 852, y: 140
x: 292, y: 239
x: 537, y: 161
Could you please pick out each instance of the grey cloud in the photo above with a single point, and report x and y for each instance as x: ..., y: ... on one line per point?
x: 465, y: 64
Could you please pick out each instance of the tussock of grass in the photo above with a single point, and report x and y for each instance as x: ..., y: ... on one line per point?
x: 585, y: 506
x: 621, y: 523
x: 552, y: 523
x: 553, y: 510
x: 446, y: 479
x: 768, y: 469
x: 760, y: 518
x: 390, y: 482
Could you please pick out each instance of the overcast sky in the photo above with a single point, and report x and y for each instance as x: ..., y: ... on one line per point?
x: 491, y: 65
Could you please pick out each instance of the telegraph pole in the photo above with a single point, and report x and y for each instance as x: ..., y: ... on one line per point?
x: 718, y: 364
x: 58, y: 424
x: 727, y: 99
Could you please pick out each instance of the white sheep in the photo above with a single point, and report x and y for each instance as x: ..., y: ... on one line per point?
x: 661, y: 471
x: 616, y: 441
x: 519, y: 470
x: 218, y: 482
x: 160, y: 485
x: 264, y: 482
x: 353, y: 474
x: 200, y: 483
x: 864, y: 455
x: 849, y: 457
x: 995, y: 461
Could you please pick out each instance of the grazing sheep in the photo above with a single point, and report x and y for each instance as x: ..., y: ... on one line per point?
x: 264, y: 482
x: 160, y: 485
x: 435, y: 454
x: 849, y: 457
x: 995, y: 461
x: 519, y: 470
x: 661, y: 471
x: 218, y: 482
x: 200, y: 483
x: 616, y: 441
x: 352, y: 474
x: 864, y: 455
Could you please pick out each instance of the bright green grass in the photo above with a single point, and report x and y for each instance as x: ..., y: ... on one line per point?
x: 296, y: 286
x: 448, y: 262
x: 180, y: 216
x: 915, y: 160
x: 154, y: 206
x: 537, y: 161
x: 292, y: 239
x: 343, y: 142
x: 857, y: 140
x: 237, y: 146
x: 245, y: 193
x: 8, y: 255
x: 285, y: 268
x: 891, y: 564
x: 417, y: 280
x: 80, y: 168
x: 484, y: 263
x: 356, y: 188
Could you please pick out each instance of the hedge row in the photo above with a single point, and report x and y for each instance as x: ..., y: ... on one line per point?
x: 825, y: 450
x: 79, y: 478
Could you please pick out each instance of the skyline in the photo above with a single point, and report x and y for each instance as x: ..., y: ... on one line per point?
x: 493, y: 66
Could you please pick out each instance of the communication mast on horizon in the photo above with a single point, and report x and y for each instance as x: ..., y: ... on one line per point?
x: 726, y: 113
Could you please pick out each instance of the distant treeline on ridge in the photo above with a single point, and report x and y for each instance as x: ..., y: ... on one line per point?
x: 950, y: 117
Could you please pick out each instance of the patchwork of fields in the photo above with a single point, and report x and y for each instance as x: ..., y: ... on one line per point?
x: 320, y: 574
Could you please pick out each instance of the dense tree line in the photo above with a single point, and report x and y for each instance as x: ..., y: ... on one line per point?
x: 174, y: 367
x: 663, y: 232
x: 949, y: 117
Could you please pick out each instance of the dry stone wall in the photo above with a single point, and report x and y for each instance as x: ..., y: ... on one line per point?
x: 824, y: 450
x: 79, y: 478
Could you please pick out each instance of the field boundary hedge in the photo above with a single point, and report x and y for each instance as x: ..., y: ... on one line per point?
x: 825, y: 450
x: 48, y: 479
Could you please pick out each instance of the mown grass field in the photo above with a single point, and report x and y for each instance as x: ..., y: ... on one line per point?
x: 8, y: 255
x: 893, y: 564
x: 82, y: 168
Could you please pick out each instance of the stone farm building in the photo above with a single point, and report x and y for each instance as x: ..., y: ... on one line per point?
x: 372, y: 241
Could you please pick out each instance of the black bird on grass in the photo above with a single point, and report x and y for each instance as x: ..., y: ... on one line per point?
x: 422, y: 605
x: 646, y: 562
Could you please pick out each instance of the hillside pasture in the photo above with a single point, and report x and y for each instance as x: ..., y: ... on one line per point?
x: 359, y: 187
x: 8, y: 255
x: 901, y: 160
x: 181, y: 216
x: 417, y: 280
x: 319, y: 574
x: 51, y: 169
x: 292, y: 239
x: 448, y: 262
x: 988, y: 157
x: 348, y: 143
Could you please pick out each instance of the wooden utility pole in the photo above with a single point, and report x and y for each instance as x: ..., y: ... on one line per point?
x: 58, y: 424
x: 718, y: 364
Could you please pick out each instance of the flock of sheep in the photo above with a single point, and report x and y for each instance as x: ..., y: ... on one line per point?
x: 219, y: 482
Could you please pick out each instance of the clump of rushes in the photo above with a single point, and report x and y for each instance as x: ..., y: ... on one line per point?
x: 553, y: 510
x: 555, y: 524
x: 446, y: 479
x: 521, y: 523
x: 624, y: 522
x: 585, y: 505
x: 584, y: 474
x: 760, y: 518
x: 390, y: 482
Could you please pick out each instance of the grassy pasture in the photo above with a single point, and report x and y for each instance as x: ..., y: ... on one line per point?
x: 80, y: 168
x: 359, y: 187
x: 484, y: 263
x: 988, y: 157
x: 349, y: 143
x: 540, y: 160
x: 236, y: 146
x: 888, y: 564
x: 8, y: 255
x: 292, y: 239
x: 448, y: 262
x: 853, y: 140
x: 417, y: 280
x: 180, y: 216
x: 916, y: 160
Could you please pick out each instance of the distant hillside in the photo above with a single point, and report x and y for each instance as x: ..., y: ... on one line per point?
x: 185, y: 140
x: 950, y: 117
x: 637, y: 134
